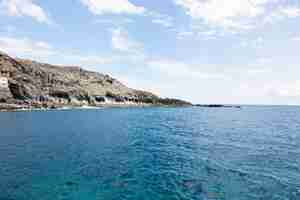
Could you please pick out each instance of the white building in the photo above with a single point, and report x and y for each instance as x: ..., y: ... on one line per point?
x: 3, y: 82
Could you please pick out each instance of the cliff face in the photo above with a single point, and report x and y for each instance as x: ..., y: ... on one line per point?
x: 43, y: 85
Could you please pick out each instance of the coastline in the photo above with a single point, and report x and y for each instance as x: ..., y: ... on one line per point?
x: 30, y: 85
x: 26, y: 108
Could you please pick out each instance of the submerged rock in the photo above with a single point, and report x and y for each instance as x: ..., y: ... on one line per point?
x: 70, y: 183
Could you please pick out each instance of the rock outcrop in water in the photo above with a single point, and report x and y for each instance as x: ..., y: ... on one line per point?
x: 217, y: 106
x: 29, y: 84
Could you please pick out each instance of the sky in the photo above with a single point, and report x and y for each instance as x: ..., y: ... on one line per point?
x: 203, y: 51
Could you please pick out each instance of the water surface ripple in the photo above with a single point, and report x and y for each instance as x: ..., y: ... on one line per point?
x: 151, y: 153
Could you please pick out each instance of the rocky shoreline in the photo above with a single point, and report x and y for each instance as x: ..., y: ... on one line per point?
x: 30, y: 85
x: 16, y: 107
x: 23, y: 107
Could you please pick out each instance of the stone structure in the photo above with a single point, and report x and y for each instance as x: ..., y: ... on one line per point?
x: 3, y: 82
x: 5, y: 93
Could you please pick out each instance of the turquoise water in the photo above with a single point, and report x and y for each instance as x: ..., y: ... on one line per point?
x: 151, y: 153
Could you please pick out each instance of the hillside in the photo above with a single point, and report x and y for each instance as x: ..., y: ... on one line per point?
x: 26, y: 83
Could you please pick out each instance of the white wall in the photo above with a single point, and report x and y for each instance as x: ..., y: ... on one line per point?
x: 3, y: 82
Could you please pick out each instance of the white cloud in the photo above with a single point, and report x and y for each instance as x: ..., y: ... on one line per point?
x: 210, y: 34
x: 121, y: 42
x: 255, y: 43
x: 282, y: 13
x: 119, y: 22
x: 181, y: 70
x: 264, y: 60
x: 21, y: 46
x: 297, y: 38
x: 291, y: 89
x: 43, y: 45
x: 184, y: 34
x: 201, y: 32
x: 99, y: 7
x: 93, y: 60
x: 179, y: 79
x: 167, y: 22
x: 256, y: 71
x: 291, y: 11
x: 44, y: 52
x: 236, y: 14
x: 161, y: 19
x: 24, y: 8
x: 90, y: 62
x: 203, y: 35
x: 155, y: 17
x: 222, y: 12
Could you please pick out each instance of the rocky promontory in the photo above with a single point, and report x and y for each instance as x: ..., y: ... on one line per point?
x: 26, y: 84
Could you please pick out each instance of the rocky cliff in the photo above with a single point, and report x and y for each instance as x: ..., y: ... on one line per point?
x: 26, y: 83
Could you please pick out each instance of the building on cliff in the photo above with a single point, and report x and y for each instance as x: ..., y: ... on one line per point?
x: 5, y: 93
x: 4, y: 75
x: 4, y: 89
x: 3, y: 82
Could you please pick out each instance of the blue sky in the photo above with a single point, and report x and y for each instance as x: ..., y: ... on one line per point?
x: 204, y: 51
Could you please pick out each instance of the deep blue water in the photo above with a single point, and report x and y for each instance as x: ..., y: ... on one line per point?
x: 151, y: 153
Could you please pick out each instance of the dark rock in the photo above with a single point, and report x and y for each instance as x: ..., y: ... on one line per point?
x: 19, y: 91
x: 43, y: 85
x: 70, y: 184
x: 60, y: 94
x: 2, y: 100
x: 173, y: 102
x: 216, y: 106
x: 100, y: 99
x: 193, y: 185
x: 110, y: 94
x: 120, y: 99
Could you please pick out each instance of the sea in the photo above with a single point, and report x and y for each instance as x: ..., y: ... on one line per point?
x: 153, y: 153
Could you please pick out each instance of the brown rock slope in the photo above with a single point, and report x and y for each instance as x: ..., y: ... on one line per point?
x: 25, y: 82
